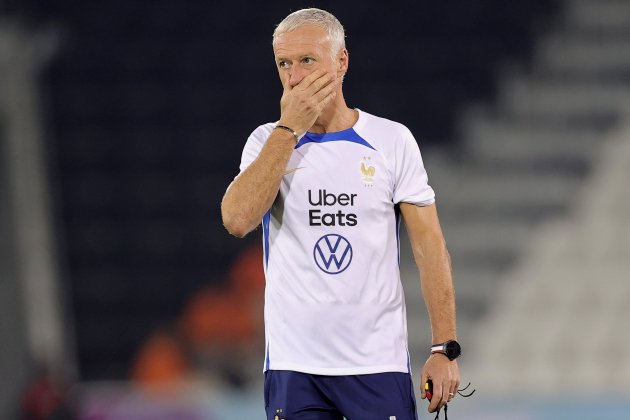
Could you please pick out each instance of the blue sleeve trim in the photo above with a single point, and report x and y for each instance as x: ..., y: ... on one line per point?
x: 397, y: 215
x: 265, y: 224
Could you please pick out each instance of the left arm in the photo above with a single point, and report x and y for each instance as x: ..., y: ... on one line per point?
x: 433, y: 260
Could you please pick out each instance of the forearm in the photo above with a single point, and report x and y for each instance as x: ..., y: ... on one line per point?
x: 252, y: 193
x: 437, y: 286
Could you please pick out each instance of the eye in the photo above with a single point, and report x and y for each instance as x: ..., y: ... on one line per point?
x: 308, y: 60
x: 283, y: 64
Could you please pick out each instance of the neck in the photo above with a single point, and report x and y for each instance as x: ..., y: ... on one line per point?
x: 335, y: 117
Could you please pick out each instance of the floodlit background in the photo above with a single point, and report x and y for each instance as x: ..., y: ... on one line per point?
x: 122, y: 123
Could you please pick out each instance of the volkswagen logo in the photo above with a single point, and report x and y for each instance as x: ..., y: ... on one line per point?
x: 332, y: 253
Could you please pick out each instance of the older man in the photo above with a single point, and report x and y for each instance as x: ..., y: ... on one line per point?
x: 329, y: 183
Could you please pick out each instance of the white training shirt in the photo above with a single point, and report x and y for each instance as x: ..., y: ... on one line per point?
x: 334, y: 303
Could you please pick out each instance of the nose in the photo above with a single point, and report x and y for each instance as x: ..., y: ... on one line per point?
x: 296, y: 75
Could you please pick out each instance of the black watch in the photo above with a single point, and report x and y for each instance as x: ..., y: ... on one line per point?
x: 450, y: 349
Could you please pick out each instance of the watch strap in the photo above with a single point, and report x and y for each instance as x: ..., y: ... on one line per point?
x: 438, y: 348
x: 450, y: 349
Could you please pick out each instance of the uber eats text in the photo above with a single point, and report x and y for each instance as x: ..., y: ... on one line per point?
x: 322, y: 198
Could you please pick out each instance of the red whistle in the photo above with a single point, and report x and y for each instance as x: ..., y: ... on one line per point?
x: 428, y: 389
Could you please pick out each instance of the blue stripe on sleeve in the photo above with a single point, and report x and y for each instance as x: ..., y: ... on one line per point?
x: 265, y: 224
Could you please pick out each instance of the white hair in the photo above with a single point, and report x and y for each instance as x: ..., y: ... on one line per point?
x: 317, y: 17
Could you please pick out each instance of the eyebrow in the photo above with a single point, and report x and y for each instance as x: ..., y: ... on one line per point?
x: 283, y: 58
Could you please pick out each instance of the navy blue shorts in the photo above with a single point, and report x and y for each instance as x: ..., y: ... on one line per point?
x: 300, y: 396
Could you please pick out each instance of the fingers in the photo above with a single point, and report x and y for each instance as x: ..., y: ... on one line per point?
x: 453, y: 390
x: 302, y: 105
x: 307, y: 81
x: 445, y: 379
x: 440, y: 397
x: 329, y: 95
x: 442, y: 394
x: 324, y: 92
x: 321, y: 89
x: 315, y: 81
x: 327, y: 80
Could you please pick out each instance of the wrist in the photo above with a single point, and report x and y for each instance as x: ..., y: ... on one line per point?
x: 450, y: 349
x: 288, y: 129
x: 440, y: 356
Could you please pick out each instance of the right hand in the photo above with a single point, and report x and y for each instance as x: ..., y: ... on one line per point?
x: 302, y: 104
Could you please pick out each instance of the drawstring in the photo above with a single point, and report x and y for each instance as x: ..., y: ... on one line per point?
x: 459, y: 391
x: 437, y: 415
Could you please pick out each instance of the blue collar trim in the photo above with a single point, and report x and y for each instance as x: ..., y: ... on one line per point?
x: 345, y: 135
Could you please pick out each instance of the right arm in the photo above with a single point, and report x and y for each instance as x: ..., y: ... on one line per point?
x: 252, y: 193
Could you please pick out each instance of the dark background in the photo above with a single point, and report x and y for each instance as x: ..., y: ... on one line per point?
x: 150, y: 103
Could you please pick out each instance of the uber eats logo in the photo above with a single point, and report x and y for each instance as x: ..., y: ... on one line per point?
x: 332, y: 252
x: 322, y: 198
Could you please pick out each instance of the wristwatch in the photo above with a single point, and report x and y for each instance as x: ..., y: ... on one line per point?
x: 450, y: 349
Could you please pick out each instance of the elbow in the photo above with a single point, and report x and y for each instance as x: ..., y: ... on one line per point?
x: 237, y: 231
x: 235, y: 225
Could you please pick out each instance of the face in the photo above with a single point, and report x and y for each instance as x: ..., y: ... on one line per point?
x: 300, y: 52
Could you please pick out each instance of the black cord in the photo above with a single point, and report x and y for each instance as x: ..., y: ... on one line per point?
x: 437, y: 415
x: 459, y: 391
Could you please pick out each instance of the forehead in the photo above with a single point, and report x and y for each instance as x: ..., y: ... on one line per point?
x: 305, y: 39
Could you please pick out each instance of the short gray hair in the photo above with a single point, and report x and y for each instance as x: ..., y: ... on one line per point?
x: 317, y: 17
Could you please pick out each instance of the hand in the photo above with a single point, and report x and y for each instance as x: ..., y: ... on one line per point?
x: 445, y: 376
x: 301, y: 105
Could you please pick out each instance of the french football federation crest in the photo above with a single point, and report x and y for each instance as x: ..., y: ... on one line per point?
x: 368, y: 171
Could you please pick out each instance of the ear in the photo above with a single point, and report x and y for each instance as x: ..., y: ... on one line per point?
x: 342, y: 61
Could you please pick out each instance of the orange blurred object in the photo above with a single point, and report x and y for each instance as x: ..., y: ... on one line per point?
x: 247, y: 274
x: 227, y: 320
x: 229, y: 317
x: 160, y: 361
x: 218, y: 317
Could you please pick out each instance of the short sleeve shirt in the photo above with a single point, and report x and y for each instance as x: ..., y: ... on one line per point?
x: 334, y: 303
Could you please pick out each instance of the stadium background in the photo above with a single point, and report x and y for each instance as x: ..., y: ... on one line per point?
x: 122, y: 122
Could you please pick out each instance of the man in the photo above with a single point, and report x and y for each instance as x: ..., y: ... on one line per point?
x: 329, y: 183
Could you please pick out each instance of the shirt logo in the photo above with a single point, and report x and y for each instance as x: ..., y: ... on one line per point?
x: 290, y: 171
x: 368, y: 171
x: 332, y: 253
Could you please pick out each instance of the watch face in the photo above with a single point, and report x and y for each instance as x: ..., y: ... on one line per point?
x: 452, y: 350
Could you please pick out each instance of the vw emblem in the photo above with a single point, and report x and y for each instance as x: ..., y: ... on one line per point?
x: 332, y: 253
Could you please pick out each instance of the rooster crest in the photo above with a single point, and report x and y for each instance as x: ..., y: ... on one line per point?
x: 369, y: 171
